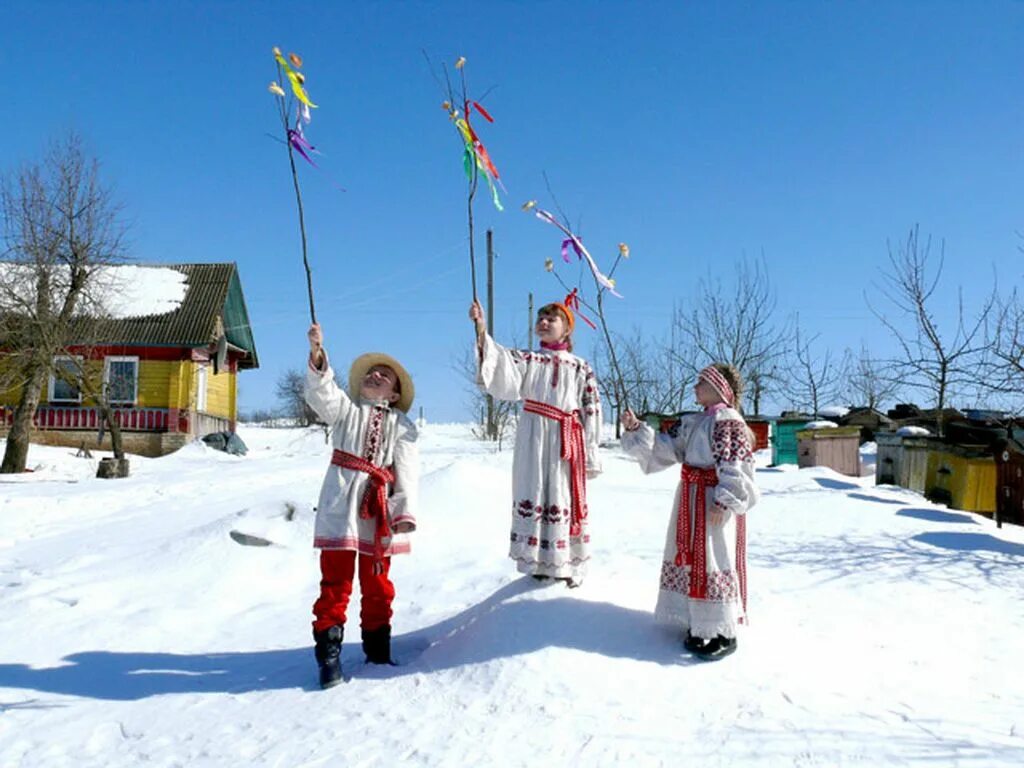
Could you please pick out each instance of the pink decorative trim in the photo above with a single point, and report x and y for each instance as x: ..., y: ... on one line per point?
x: 404, y: 519
x: 557, y: 346
x: 358, y: 545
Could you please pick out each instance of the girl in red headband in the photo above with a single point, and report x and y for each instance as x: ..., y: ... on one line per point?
x: 704, y: 569
x: 556, y: 442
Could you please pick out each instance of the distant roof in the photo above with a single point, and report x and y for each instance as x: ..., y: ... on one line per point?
x: 214, y: 290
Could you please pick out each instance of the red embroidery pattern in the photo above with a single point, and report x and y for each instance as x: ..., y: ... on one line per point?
x: 374, y: 431
x: 741, y: 560
x: 547, y: 544
x: 591, y: 394
x: 674, y: 578
x: 552, y: 514
x: 730, y: 441
x: 542, y: 358
x: 723, y: 587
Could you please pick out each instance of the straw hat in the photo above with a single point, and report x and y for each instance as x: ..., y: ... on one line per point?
x: 362, y: 364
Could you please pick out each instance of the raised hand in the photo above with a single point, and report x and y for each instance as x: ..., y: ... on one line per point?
x: 476, y: 314
x: 629, y: 421
x: 316, y: 343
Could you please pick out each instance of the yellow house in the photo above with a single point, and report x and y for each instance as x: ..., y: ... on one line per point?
x: 170, y: 377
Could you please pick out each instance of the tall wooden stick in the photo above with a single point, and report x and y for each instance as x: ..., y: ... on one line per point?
x: 298, y: 199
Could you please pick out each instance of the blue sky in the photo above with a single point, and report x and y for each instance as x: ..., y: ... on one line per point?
x: 698, y: 133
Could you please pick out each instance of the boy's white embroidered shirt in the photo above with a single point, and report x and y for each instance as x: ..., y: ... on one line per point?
x: 374, y: 431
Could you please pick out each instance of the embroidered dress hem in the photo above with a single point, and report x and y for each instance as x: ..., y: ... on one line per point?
x: 571, y: 570
x: 362, y: 547
x: 708, y: 619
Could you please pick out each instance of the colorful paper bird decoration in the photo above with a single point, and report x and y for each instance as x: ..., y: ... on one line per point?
x: 475, y: 153
x: 296, y: 79
x: 577, y: 245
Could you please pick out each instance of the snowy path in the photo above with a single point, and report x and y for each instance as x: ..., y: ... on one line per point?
x: 885, y: 630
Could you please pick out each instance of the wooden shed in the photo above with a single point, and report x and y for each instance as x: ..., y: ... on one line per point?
x: 835, y: 447
x: 170, y: 377
x: 761, y: 426
x: 869, y: 420
x: 1009, y: 457
x: 784, y: 440
x: 889, y: 458
x: 962, y: 477
x: 912, y: 470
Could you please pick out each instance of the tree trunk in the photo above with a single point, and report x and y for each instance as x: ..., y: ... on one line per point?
x: 114, y: 427
x: 16, y: 452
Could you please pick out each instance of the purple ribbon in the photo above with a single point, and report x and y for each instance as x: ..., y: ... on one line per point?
x: 565, y: 249
x: 299, y: 143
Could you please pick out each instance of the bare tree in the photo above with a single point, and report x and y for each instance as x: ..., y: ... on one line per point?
x: 1004, y: 372
x: 61, y: 227
x: 503, y: 414
x: 813, y: 378
x: 934, y: 361
x: 647, y: 382
x: 868, y: 383
x: 734, y: 324
x: 290, y: 391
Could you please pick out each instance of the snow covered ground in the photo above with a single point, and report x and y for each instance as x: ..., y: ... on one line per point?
x: 133, y: 630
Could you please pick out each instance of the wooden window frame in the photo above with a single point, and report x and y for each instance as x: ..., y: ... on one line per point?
x: 51, y: 386
x: 106, y: 377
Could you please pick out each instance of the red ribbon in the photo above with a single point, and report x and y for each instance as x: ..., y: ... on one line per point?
x: 478, y: 146
x: 573, y: 451
x: 572, y: 302
x: 690, y: 549
x: 374, y: 505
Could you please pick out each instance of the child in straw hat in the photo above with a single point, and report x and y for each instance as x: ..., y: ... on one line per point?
x: 704, y: 569
x: 556, y: 446
x: 368, y: 500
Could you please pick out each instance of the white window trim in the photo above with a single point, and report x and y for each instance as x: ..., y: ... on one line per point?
x: 202, y: 383
x: 106, y: 376
x: 53, y: 380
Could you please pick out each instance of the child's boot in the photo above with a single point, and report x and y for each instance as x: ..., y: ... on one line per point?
x: 694, y: 644
x: 717, y: 647
x: 377, y: 645
x: 328, y: 654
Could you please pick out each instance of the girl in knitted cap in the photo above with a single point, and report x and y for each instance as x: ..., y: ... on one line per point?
x: 556, y: 443
x: 704, y: 569
x: 367, y: 503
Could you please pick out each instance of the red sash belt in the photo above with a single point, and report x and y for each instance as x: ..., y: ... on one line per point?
x: 571, y: 428
x: 374, y: 504
x: 691, y: 546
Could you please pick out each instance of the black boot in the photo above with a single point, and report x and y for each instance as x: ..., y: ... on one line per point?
x: 717, y: 647
x: 328, y: 654
x: 694, y: 644
x: 377, y: 645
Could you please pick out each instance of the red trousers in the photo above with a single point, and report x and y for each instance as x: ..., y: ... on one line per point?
x: 337, y: 572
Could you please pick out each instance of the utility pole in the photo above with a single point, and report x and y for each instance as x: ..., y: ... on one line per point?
x: 529, y: 323
x: 492, y: 427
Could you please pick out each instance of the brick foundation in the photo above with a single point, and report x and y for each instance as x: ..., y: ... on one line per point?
x: 151, y: 444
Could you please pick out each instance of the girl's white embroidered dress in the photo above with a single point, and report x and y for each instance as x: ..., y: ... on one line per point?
x: 703, y: 578
x: 382, y: 435
x: 545, y: 539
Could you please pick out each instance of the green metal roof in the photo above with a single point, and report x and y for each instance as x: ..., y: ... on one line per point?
x: 214, y: 290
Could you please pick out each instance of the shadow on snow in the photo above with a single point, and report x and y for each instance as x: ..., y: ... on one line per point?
x: 974, y: 542
x: 936, y: 515
x: 493, y: 629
